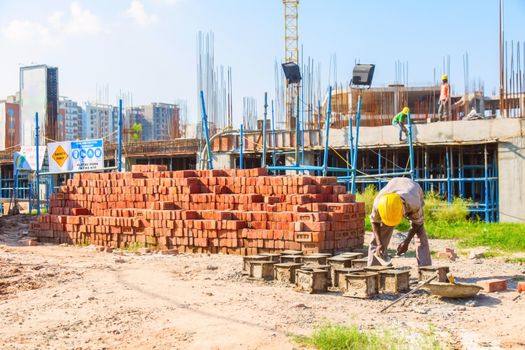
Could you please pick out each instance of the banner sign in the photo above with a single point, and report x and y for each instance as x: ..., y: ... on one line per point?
x: 76, y: 155
x: 25, y: 159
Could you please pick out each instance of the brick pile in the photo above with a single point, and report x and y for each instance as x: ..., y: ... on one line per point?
x: 229, y: 211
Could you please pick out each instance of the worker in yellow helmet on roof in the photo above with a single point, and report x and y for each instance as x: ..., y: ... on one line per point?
x: 444, y: 98
x: 399, y: 122
x: 400, y: 197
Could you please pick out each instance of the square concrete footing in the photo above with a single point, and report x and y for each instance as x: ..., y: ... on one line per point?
x: 352, y: 255
x: 361, y: 284
x: 359, y: 263
x: 292, y: 252
x: 285, y: 272
x: 394, y: 281
x: 311, y: 280
x: 262, y: 269
x: 339, y: 279
x: 272, y: 256
x: 338, y: 262
x: 426, y: 272
x: 291, y: 259
x: 315, y: 259
x: 248, y: 259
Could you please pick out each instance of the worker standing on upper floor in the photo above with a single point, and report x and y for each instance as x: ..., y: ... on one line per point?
x: 400, y: 197
x: 399, y: 122
x: 444, y: 98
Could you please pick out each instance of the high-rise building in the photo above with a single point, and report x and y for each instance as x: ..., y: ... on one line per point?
x: 100, y: 121
x: 160, y: 121
x: 71, y: 114
x: 39, y: 94
x: 9, y: 123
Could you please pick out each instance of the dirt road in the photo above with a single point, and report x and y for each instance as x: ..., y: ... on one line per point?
x: 55, y: 297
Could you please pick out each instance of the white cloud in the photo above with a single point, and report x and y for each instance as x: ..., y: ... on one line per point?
x: 137, y: 12
x: 28, y: 31
x: 77, y: 22
x: 82, y: 21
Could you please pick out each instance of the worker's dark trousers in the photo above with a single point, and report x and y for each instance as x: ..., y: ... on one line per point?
x: 421, y: 240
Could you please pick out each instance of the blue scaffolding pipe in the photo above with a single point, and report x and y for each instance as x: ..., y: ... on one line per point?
x: 373, y: 176
x: 206, y: 131
x: 356, y: 148
x: 297, y: 132
x: 241, y: 145
x: 119, y: 135
x: 327, y: 131
x: 273, y: 136
x: 486, y: 184
x: 263, y: 160
x: 411, y: 146
x: 37, y: 167
x: 449, y: 185
x: 460, y: 173
x: 310, y: 168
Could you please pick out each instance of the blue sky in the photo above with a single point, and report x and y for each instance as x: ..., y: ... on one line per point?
x: 148, y: 47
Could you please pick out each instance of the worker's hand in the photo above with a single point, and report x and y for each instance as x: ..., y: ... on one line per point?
x: 380, y: 250
x: 402, y: 248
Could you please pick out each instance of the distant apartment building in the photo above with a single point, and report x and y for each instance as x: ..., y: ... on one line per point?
x: 9, y: 122
x: 71, y: 115
x: 100, y: 121
x: 136, y: 115
x: 39, y: 94
x: 160, y: 121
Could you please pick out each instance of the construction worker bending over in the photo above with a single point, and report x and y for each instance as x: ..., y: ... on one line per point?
x: 400, y: 197
x: 399, y: 122
x: 444, y: 98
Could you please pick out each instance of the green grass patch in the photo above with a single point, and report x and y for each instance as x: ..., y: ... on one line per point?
x: 133, y: 247
x: 449, y: 221
x: 339, y: 337
x: 516, y: 260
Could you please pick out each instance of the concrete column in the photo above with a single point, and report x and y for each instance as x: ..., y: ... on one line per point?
x: 511, y: 170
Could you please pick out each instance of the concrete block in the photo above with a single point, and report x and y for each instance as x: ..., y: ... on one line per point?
x: 291, y: 258
x: 311, y: 280
x: 272, y: 256
x: 352, y: 255
x: 315, y: 259
x: 359, y: 263
x: 291, y: 252
x: 339, y: 280
x: 361, y: 284
x: 250, y: 258
x: 426, y: 272
x: 394, y: 281
x: 338, y: 262
x: 262, y: 269
x: 285, y: 272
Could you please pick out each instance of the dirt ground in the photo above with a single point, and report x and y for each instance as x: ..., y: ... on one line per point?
x: 55, y: 297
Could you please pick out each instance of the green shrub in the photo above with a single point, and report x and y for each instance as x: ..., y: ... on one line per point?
x: 368, y: 197
x: 340, y: 337
x: 437, y: 209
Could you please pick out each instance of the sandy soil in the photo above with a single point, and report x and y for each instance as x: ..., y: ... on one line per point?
x: 54, y: 297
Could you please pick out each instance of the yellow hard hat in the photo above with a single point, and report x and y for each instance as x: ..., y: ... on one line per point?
x: 391, y: 209
x: 444, y: 77
x: 406, y: 110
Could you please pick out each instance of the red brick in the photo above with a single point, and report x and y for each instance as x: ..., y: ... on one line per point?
x: 493, y: 285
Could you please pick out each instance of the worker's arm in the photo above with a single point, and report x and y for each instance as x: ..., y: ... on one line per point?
x: 415, y: 229
x: 376, y: 228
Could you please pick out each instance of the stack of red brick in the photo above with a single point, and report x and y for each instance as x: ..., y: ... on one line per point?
x: 229, y: 211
